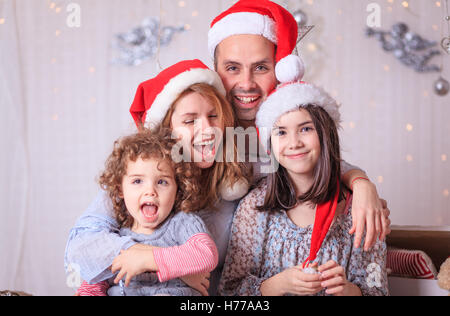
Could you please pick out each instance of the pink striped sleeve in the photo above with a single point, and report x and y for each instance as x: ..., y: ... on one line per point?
x: 98, y: 289
x: 199, y: 254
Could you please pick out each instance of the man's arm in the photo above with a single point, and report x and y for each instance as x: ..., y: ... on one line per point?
x: 368, y: 210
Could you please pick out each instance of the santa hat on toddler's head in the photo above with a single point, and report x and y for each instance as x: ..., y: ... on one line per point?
x: 286, y: 98
x: 154, y: 97
x: 265, y: 18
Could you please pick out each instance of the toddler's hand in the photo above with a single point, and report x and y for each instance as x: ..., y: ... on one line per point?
x: 131, y: 263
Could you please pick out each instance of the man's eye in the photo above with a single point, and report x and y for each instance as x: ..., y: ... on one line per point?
x: 232, y: 68
x: 261, y: 68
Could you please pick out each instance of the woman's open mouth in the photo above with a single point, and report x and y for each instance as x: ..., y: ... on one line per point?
x: 207, y: 149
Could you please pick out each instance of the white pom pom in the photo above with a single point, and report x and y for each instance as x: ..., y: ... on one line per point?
x: 290, y: 69
x: 235, y: 192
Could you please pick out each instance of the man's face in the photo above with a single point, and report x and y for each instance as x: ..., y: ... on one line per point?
x: 246, y: 64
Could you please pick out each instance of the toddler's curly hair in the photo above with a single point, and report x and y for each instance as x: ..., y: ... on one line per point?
x: 149, y: 144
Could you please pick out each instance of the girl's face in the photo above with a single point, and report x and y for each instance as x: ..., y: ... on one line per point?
x: 195, y: 121
x: 295, y: 143
x: 149, y: 190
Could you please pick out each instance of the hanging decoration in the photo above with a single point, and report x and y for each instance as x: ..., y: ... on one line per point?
x: 143, y: 42
x: 410, y: 48
x: 442, y: 86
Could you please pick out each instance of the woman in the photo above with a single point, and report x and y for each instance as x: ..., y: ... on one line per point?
x: 189, y: 99
x: 290, y: 235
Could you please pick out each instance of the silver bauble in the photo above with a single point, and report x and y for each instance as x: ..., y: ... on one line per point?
x: 441, y: 87
x: 300, y: 17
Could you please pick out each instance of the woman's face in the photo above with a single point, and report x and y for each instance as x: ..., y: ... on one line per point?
x: 195, y: 121
x: 295, y: 143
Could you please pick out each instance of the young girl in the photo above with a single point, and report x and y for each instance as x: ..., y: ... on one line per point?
x: 299, y: 217
x: 153, y: 200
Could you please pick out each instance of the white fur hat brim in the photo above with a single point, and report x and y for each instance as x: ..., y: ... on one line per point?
x: 241, y: 23
x: 290, y: 97
x: 175, y: 87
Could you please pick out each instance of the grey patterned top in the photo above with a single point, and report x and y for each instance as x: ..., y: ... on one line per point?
x: 264, y: 244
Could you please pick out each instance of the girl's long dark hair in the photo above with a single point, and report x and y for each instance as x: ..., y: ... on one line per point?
x: 281, y: 194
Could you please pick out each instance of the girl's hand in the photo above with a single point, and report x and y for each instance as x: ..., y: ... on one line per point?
x: 292, y: 281
x: 133, y: 262
x: 199, y: 282
x: 334, y: 280
x: 369, y: 212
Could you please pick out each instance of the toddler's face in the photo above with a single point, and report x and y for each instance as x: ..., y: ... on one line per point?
x: 149, y: 190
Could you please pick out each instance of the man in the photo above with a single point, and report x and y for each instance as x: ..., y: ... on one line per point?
x: 251, y: 44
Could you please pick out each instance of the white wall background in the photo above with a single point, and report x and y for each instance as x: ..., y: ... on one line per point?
x: 63, y: 104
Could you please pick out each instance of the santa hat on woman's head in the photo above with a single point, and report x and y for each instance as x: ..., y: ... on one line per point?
x: 154, y: 97
x: 265, y: 18
x: 288, y: 97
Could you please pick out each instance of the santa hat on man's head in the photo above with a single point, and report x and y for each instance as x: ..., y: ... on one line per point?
x: 154, y: 97
x: 265, y: 18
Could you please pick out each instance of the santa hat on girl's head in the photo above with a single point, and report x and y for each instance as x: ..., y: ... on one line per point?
x: 265, y: 18
x: 288, y: 97
x: 154, y: 97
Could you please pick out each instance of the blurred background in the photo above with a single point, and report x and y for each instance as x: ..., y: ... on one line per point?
x: 69, y: 71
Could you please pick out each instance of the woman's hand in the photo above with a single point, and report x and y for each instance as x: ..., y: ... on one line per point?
x: 292, y: 281
x: 334, y: 280
x: 132, y: 262
x: 370, y: 212
x: 199, y: 282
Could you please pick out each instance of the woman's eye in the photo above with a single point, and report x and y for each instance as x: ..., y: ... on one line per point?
x: 137, y: 181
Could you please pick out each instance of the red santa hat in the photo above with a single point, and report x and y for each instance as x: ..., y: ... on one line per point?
x: 154, y: 97
x: 265, y: 18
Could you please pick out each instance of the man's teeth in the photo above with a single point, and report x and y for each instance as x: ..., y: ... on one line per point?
x: 247, y: 99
